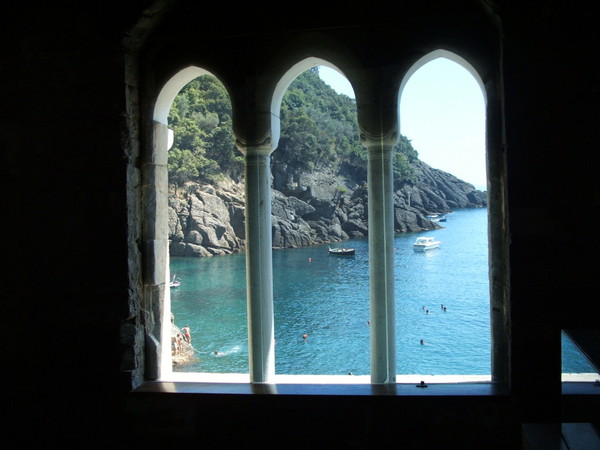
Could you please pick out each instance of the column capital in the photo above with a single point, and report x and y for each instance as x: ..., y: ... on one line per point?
x: 258, y: 147
x: 378, y: 125
x: 387, y: 139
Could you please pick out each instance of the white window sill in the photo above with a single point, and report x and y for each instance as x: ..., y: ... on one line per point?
x: 189, y: 377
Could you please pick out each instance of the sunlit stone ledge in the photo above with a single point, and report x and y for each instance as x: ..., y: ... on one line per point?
x: 321, y: 379
x: 190, y: 377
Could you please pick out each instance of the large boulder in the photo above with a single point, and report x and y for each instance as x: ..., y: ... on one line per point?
x: 200, y: 222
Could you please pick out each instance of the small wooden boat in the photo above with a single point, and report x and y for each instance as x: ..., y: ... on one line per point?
x: 341, y: 251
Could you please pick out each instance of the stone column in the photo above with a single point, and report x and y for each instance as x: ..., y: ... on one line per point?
x: 381, y: 258
x: 259, y: 264
x: 156, y: 309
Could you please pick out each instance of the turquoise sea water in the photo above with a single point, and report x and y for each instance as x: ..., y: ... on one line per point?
x: 326, y: 298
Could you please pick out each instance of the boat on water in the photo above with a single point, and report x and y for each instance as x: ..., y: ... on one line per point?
x: 436, y: 217
x: 426, y: 243
x: 341, y: 251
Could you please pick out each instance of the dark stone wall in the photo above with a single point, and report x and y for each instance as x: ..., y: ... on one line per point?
x: 550, y: 133
x: 66, y: 239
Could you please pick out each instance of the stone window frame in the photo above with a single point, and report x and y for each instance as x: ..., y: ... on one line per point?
x: 156, y: 292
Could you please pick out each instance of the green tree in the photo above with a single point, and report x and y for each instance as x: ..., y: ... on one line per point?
x: 404, y: 157
x: 203, y: 147
x: 319, y: 129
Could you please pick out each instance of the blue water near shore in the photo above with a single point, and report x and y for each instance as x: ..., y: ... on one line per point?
x: 326, y: 298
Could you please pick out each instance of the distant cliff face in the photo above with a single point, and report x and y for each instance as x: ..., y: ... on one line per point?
x: 316, y: 208
x: 206, y: 220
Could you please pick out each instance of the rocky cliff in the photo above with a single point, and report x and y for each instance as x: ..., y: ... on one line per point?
x: 318, y: 207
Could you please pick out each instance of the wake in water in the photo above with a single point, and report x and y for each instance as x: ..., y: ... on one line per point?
x: 219, y: 353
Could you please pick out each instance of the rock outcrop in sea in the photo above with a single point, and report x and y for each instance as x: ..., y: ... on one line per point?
x: 182, y: 351
x: 314, y: 208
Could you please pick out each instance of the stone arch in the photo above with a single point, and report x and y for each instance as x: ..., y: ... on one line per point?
x: 284, y: 82
x: 155, y: 223
x: 440, y: 53
x: 373, y: 124
x: 489, y: 82
x: 169, y: 91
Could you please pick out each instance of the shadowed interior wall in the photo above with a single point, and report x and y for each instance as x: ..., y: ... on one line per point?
x: 71, y: 135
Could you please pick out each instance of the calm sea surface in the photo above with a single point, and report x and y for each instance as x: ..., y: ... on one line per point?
x: 327, y: 298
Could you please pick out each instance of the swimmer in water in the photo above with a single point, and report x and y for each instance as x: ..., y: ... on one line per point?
x: 218, y: 353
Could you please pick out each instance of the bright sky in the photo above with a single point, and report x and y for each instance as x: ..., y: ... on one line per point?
x: 442, y: 112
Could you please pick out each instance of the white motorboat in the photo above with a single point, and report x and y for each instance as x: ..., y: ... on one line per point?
x: 426, y: 243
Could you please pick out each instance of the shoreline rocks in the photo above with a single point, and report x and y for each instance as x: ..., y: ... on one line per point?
x: 182, y: 351
x: 316, y: 208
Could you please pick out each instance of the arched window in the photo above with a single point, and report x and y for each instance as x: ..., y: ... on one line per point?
x: 162, y: 224
x: 157, y: 222
x: 206, y: 222
x: 442, y: 113
x: 208, y: 347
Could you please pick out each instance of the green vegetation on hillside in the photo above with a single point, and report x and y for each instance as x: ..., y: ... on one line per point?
x: 319, y: 131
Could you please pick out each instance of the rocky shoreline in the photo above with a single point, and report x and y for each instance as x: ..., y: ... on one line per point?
x: 316, y: 208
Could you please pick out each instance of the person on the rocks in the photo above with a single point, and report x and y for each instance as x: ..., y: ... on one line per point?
x: 173, y: 346
x: 186, y: 334
x: 179, y: 344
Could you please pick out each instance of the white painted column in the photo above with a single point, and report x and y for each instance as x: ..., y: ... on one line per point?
x: 381, y: 260
x: 259, y: 265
